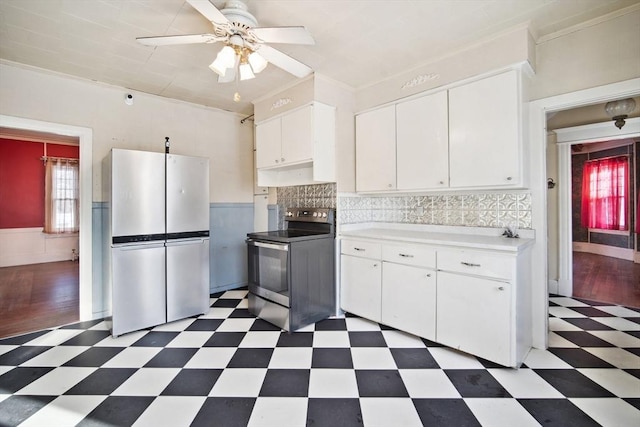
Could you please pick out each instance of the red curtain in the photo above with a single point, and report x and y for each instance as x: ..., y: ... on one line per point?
x: 605, y: 194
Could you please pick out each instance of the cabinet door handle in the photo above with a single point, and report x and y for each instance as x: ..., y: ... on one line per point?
x: 282, y: 159
x: 406, y: 255
x: 390, y: 185
x: 470, y: 264
x: 359, y: 249
x: 441, y: 182
x: 428, y: 275
x: 501, y: 288
x: 375, y: 265
x: 509, y: 178
x: 276, y: 160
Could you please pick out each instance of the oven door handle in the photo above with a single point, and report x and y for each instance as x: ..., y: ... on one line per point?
x: 275, y: 246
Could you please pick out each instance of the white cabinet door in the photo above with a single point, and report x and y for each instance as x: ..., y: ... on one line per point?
x: 360, y: 286
x: 376, y: 150
x: 422, y: 132
x: 474, y: 315
x: 268, y: 144
x: 484, y: 132
x: 297, y: 136
x: 409, y: 299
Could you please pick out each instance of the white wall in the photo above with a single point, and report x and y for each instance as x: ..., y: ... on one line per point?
x: 194, y: 130
x: 607, y: 51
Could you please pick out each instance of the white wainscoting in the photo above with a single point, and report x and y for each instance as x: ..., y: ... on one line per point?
x: 20, y: 246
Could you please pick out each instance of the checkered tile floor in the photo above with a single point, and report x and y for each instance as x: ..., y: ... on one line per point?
x: 227, y: 368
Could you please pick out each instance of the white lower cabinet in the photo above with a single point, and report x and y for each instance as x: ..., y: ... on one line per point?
x: 409, y: 299
x: 360, y: 292
x: 474, y: 315
x: 474, y: 300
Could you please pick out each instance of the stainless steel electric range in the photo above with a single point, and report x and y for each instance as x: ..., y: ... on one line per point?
x: 292, y: 271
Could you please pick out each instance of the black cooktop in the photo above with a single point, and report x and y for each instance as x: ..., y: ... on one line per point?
x: 290, y: 235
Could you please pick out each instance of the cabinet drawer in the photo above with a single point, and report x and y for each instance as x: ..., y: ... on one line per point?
x: 477, y: 263
x: 410, y: 255
x: 361, y: 248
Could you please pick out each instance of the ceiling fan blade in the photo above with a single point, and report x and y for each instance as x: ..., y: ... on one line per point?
x: 209, y: 11
x: 284, y: 61
x: 290, y: 35
x: 183, y: 39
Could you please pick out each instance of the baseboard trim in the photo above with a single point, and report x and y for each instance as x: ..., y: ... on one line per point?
x: 553, y: 286
x: 612, y: 251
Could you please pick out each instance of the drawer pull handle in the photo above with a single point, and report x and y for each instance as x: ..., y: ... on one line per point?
x: 470, y: 264
x: 406, y: 255
x: 359, y: 249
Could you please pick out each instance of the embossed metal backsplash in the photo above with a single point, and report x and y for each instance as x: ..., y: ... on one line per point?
x: 305, y: 196
x: 470, y: 210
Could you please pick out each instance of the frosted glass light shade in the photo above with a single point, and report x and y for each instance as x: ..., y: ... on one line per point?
x: 226, y: 58
x: 620, y: 110
x: 245, y: 72
x: 258, y: 63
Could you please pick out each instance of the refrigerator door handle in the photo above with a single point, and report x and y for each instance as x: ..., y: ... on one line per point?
x: 137, y: 246
x: 183, y: 242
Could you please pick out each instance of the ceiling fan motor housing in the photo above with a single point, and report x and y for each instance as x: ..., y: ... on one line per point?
x: 237, y: 13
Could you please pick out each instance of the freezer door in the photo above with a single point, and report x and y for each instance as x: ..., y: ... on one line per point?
x: 187, y: 194
x: 137, y: 193
x: 138, y: 293
x: 187, y: 278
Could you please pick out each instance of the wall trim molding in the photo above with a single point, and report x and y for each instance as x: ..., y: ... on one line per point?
x: 610, y: 251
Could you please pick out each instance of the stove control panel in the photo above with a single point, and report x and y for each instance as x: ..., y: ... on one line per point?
x: 325, y: 215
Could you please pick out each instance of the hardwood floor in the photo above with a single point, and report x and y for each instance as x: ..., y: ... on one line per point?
x: 606, y: 279
x: 38, y: 296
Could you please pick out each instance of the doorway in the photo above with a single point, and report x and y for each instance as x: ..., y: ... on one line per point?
x: 85, y: 138
x: 538, y: 111
x: 604, y: 135
x: 600, y: 263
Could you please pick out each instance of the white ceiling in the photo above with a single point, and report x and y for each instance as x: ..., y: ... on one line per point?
x: 95, y: 39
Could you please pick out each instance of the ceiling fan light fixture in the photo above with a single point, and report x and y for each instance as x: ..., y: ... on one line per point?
x: 218, y: 67
x: 245, y: 71
x: 258, y: 63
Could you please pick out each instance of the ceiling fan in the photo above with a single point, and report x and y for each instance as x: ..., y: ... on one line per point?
x: 245, y: 52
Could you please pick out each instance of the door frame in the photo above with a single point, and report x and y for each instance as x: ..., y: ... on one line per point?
x: 597, y: 132
x: 538, y: 111
x: 85, y: 136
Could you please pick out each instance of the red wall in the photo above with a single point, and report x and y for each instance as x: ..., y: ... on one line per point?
x: 22, y: 181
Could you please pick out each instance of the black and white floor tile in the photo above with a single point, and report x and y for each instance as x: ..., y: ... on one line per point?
x: 227, y: 368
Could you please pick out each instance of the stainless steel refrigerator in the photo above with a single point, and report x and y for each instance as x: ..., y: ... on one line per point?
x: 157, y: 235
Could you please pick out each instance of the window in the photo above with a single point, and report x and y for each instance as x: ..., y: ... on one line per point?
x: 605, y: 194
x: 61, y: 196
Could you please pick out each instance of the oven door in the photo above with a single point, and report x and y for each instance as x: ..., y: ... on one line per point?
x: 269, y: 270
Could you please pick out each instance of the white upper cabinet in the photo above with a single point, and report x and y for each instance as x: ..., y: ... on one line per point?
x: 376, y: 150
x: 297, y: 136
x: 464, y: 137
x: 422, y: 143
x: 297, y: 147
x: 268, y: 143
x: 485, y: 132
x: 285, y: 140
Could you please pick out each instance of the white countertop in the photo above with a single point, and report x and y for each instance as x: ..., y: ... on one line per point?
x: 466, y: 237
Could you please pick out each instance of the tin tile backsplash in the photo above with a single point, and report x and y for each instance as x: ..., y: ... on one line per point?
x: 471, y: 210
